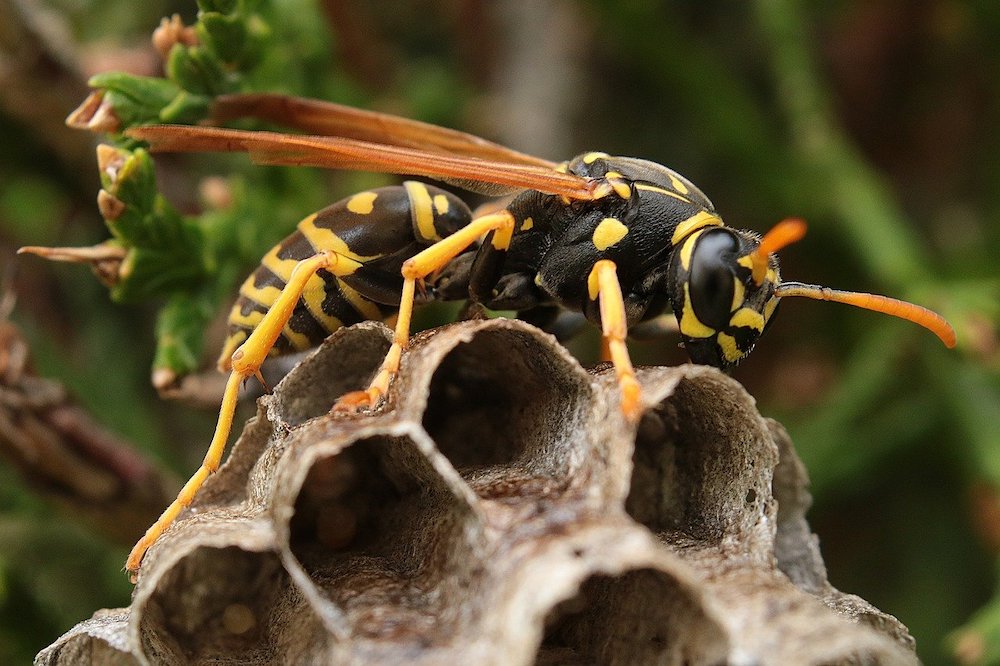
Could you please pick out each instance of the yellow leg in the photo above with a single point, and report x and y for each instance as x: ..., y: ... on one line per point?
x: 603, y: 284
x: 416, y: 268
x: 246, y: 363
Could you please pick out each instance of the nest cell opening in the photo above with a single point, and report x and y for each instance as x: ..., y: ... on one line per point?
x: 642, y: 616
x: 375, y: 528
x: 701, y: 463
x: 506, y: 399
x: 347, y: 361
x: 214, y: 605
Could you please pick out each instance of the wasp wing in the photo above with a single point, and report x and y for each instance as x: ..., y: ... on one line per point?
x: 330, y: 119
x: 492, y: 177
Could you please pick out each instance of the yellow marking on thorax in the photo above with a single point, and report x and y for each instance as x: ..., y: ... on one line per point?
x: 441, y: 204
x: 620, y: 187
x: 748, y: 318
x: 592, y: 157
x: 609, y: 232
x: 730, y: 351
x: 562, y: 168
x: 697, y: 221
x: 677, y: 183
x: 690, y: 325
x: 325, y: 239
x: 422, y: 209
x: 688, y: 247
x: 660, y: 190
x: 593, y: 285
x: 362, y: 203
x: 527, y: 224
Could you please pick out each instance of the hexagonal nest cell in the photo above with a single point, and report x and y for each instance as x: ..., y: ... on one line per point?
x: 498, y: 509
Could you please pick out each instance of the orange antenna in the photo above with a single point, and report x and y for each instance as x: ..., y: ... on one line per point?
x: 932, y: 321
x: 783, y: 234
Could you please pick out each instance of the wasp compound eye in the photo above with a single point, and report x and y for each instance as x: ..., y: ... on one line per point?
x: 712, y: 278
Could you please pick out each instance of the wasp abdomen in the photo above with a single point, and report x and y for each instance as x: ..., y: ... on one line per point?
x: 372, y: 233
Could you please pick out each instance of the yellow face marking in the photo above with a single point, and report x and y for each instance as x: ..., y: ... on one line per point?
x: 746, y: 317
x: 527, y: 224
x: 421, y: 207
x: 441, y: 204
x: 362, y: 203
x: 697, y: 221
x: 730, y: 351
x: 660, y: 190
x: 691, y: 326
x: 677, y: 183
x: 739, y: 295
x: 609, y: 232
x: 746, y: 262
x: 688, y: 248
x: 538, y: 280
x: 590, y: 158
x: 325, y: 239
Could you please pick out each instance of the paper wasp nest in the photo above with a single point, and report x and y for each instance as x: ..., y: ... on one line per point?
x: 498, y: 510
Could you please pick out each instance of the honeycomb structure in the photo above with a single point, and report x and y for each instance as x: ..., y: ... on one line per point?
x: 498, y: 509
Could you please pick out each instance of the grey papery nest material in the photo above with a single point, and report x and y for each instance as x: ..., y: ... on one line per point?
x: 498, y: 510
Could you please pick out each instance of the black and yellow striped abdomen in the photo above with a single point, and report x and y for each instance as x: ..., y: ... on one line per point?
x: 373, y: 233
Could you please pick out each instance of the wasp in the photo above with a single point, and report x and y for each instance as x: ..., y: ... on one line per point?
x: 619, y: 239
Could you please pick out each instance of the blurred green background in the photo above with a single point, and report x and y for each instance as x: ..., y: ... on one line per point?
x: 876, y: 120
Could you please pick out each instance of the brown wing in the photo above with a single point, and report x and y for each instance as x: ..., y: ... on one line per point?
x: 330, y: 119
x: 492, y: 177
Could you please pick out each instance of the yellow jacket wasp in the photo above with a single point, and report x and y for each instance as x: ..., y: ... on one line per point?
x: 618, y: 239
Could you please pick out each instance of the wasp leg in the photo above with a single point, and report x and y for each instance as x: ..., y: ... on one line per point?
x: 246, y: 362
x: 415, y: 269
x: 603, y: 284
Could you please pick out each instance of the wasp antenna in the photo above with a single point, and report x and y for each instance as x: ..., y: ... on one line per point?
x: 783, y: 234
x: 930, y: 320
x: 78, y: 255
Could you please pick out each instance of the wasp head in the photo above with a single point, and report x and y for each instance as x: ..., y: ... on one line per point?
x: 725, y: 287
x: 724, y: 284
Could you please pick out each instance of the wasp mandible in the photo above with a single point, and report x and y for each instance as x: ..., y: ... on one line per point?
x: 619, y: 239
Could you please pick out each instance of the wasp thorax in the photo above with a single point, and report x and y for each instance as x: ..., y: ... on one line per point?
x: 720, y: 307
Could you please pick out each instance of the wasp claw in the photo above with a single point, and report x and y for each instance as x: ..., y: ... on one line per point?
x: 356, y: 401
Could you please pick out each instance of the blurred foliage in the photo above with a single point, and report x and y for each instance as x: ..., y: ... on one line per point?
x: 873, y: 119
